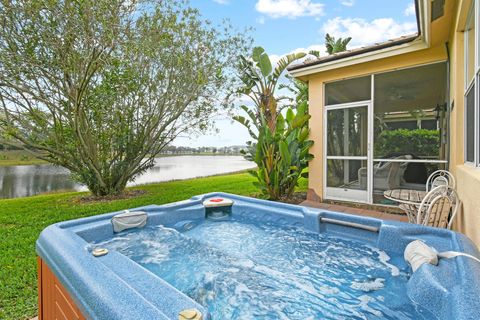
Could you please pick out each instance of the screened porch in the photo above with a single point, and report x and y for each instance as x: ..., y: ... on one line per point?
x: 385, y: 131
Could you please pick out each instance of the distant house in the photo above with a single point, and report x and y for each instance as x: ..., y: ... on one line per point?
x: 387, y: 115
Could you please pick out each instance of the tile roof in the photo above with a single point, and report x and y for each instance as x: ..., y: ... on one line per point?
x: 354, y: 52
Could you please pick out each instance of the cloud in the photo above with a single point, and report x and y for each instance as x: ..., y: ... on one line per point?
x: 221, y: 1
x: 365, y: 32
x: 348, y: 3
x: 289, y: 8
x: 410, y: 10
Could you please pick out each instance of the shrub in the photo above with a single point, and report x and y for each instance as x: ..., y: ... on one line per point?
x: 281, y: 156
x: 418, y: 142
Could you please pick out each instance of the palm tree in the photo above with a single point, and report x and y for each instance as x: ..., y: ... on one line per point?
x: 336, y: 45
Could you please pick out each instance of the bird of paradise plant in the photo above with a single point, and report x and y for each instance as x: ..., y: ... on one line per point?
x: 280, y: 145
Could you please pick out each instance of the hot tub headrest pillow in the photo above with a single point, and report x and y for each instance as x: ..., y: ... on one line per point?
x: 128, y: 220
x: 418, y: 252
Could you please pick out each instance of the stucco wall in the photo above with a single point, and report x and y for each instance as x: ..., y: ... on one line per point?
x: 468, y: 188
x: 467, y: 177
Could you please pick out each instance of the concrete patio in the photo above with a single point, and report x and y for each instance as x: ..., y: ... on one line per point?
x: 380, y: 214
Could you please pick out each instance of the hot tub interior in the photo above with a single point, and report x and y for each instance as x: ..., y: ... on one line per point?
x: 244, y: 268
x: 254, y: 260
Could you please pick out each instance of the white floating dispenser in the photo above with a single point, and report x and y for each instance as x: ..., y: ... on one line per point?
x: 218, y: 208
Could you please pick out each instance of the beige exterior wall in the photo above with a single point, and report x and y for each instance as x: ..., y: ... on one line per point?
x: 467, y: 177
x: 446, y: 32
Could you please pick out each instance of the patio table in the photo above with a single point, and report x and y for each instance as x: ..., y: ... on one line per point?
x: 410, y: 200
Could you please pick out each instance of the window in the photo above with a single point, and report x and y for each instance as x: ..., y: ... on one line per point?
x: 472, y: 87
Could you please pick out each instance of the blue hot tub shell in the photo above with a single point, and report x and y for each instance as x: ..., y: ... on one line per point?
x: 115, y: 287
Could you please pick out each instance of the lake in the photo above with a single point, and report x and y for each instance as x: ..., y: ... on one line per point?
x: 23, y: 181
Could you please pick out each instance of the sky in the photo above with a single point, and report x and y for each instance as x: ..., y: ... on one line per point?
x: 285, y: 26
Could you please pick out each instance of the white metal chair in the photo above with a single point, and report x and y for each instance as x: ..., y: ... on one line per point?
x: 439, y: 207
x: 440, y: 178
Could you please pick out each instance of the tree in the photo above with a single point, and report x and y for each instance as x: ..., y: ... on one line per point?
x: 102, y: 86
x: 336, y: 46
x: 280, y: 145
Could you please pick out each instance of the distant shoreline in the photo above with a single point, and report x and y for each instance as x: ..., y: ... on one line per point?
x: 199, y: 154
x: 12, y: 158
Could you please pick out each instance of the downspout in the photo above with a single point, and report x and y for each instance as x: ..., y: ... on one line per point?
x: 448, y: 109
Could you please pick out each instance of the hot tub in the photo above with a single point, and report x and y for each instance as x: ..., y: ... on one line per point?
x: 261, y: 260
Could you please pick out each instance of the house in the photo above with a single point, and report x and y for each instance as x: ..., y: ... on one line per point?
x: 387, y: 115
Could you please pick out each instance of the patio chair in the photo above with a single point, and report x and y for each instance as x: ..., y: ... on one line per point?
x: 440, y: 178
x: 439, y: 207
x: 387, y: 175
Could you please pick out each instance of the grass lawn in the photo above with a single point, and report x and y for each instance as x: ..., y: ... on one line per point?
x: 22, y: 220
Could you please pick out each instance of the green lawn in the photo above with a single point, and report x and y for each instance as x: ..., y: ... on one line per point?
x: 22, y: 220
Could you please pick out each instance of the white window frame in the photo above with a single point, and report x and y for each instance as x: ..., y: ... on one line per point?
x: 475, y: 12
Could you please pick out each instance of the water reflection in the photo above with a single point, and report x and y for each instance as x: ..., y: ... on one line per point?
x: 22, y: 181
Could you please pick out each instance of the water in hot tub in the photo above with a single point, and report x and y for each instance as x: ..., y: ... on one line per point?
x: 242, y: 269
